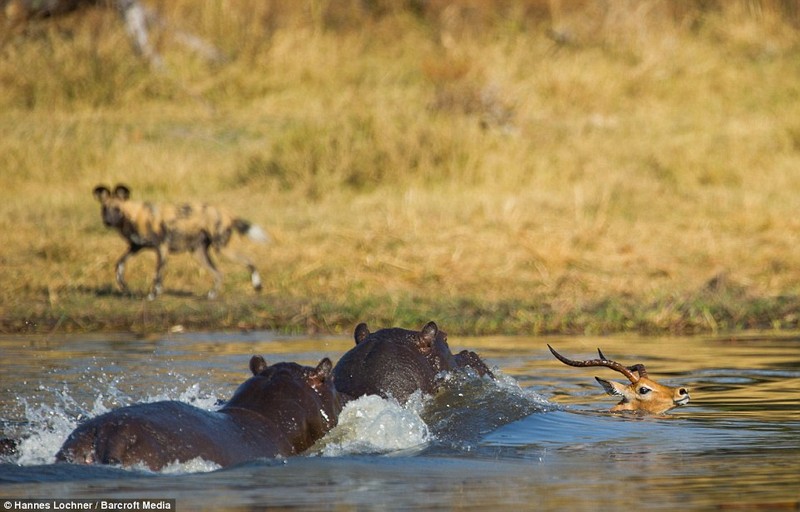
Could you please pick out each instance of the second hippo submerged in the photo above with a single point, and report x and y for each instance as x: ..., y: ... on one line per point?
x: 397, y: 362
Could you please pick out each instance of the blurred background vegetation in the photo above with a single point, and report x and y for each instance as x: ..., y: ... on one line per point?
x: 498, y: 166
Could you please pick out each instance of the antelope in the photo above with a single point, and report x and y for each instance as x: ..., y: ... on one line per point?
x: 642, y: 395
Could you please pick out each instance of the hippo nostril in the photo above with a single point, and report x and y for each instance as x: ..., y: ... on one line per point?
x: 683, y: 391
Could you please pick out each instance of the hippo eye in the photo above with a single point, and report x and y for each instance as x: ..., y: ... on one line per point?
x: 643, y: 390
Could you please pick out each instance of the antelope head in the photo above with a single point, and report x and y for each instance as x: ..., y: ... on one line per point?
x: 642, y: 395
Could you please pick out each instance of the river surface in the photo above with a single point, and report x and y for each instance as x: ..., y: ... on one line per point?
x: 540, y: 437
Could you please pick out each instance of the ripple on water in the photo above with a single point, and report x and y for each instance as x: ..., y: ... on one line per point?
x: 479, y: 444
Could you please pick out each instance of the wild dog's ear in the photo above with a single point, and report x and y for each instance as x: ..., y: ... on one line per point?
x: 257, y: 364
x: 122, y: 192
x: 101, y: 193
x: 361, y: 332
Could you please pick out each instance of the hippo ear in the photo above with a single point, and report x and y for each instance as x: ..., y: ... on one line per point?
x: 101, y: 193
x: 427, y: 337
x: 321, y: 373
x: 325, y: 367
x: 257, y: 364
x: 361, y: 333
x: 429, y: 332
x: 122, y: 192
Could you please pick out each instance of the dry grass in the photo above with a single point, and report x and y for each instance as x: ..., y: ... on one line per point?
x: 520, y: 168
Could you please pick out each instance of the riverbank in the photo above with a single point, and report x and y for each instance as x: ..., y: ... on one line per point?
x: 707, y: 312
x: 512, y: 171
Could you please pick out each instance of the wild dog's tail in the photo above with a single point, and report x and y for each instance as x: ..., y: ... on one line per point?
x: 253, y: 231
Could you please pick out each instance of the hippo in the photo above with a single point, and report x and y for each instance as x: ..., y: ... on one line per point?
x: 282, y: 410
x: 397, y: 362
x: 8, y: 446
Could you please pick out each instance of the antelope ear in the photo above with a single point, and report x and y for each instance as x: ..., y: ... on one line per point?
x: 361, y: 332
x: 101, y: 193
x: 611, y: 387
x: 257, y: 364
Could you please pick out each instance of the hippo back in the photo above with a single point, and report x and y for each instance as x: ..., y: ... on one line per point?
x: 159, y: 433
x: 280, y: 411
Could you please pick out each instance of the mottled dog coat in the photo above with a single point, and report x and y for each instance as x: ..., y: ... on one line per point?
x: 168, y: 228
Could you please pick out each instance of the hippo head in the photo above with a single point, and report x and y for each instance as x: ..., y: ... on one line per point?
x: 468, y: 358
x: 302, y: 400
x: 395, y: 362
x: 430, y: 342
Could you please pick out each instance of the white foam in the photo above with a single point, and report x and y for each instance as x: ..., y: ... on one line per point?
x: 503, y: 383
x: 196, y: 465
x: 50, y: 426
x: 192, y: 395
x: 511, y: 386
x: 372, y: 424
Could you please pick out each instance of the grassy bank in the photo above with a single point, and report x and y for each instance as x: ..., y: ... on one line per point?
x: 512, y: 169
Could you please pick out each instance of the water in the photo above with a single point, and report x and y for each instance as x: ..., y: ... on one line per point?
x: 540, y: 437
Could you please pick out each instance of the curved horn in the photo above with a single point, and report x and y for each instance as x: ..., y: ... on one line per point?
x: 596, y: 362
x: 639, y: 367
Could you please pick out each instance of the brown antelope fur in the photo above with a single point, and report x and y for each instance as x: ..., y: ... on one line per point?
x: 643, y: 395
x: 174, y: 228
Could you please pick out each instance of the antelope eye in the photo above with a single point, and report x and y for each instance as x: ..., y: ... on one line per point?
x: 643, y: 390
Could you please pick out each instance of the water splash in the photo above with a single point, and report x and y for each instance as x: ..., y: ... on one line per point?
x: 372, y: 424
x: 48, y: 424
x: 196, y: 465
x: 192, y: 395
x: 469, y: 406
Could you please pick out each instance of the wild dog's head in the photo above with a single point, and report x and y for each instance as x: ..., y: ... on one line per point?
x: 112, y: 203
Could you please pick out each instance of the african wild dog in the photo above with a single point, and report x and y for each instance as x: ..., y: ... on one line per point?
x: 174, y: 228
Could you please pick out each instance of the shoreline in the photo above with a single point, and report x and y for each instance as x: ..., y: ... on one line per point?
x: 704, y: 313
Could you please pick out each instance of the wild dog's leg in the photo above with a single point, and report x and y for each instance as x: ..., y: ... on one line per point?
x: 255, y: 277
x: 161, y: 260
x: 120, y: 272
x: 205, y: 258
